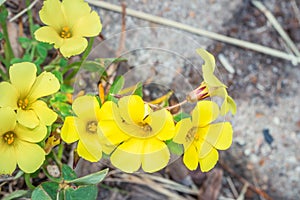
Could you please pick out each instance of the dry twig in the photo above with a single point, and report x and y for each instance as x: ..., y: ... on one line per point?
x: 277, y: 26
x: 244, y: 181
x: 208, y: 34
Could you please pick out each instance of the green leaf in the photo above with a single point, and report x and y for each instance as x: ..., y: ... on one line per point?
x: 16, y: 195
x: 117, y: 85
x: 1, y: 35
x: 138, y: 89
x: 181, y: 116
x: 66, y: 88
x: 63, y: 62
x: 86, y: 192
x: 67, y: 173
x: 174, y: 147
x: 93, y: 66
x: 45, y: 191
x: 91, y: 179
x: 42, y: 51
x: 25, y: 42
x: 58, y: 75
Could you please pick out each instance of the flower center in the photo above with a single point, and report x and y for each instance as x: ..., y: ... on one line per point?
x: 23, y: 103
x: 192, y: 135
x: 9, y: 137
x: 91, y: 127
x: 65, y: 32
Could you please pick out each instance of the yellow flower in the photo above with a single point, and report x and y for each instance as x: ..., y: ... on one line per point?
x: 139, y: 132
x: 84, y: 127
x: 17, y: 144
x: 68, y: 22
x: 24, y: 90
x: 200, y: 138
x: 212, y: 86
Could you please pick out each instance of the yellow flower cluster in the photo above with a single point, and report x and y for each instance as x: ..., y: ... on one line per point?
x: 135, y: 136
x: 24, y: 117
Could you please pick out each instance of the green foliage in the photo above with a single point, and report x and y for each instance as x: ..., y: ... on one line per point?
x: 1, y: 35
x: 70, y: 187
x: 59, y: 102
x: 16, y: 195
x: 181, y: 116
x: 138, y: 90
x: 115, y: 88
x: 175, y: 148
x: 35, y: 51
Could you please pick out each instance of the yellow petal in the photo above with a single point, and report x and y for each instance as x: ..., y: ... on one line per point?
x: 91, y: 141
x: 75, y: 10
x: 190, y: 157
x: 45, y: 114
x: 50, y: 35
x: 84, y: 153
x: 218, y: 135
x: 209, y: 161
x: 73, y: 46
x: 8, y: 120
x: 8, y: 159
x: 88, y: 25
x: 22, y: 76
x: 11, y: 95
x: 52, y: 14
x: 27, y: 118
x: 86, y: 107
x: 182, y: 129
x: 112, y: 132
x: 204, y: 113
x: 46, y: 83
x: 29, y: 156
x: 132, y: 109
x: 162, y: 124
x: 209, y: 60
x: 204, y: 148
x: 31, y: 135
x: 228, y: 105
x: 208, y: 69
x: 156, y: 155
x: 69, y: 132
x: 128, y: 156
x: 106, y: 111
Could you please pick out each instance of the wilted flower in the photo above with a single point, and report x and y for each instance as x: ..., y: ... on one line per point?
x: 23, y: 92
x: 68, y: 22
x: 200, y: 138
x: 17, y: 144
x: 139, y: 134
x: 211, y: 86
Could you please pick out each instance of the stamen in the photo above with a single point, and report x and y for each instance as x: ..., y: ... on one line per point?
x: 91, y: 127
x: 192, y: 135
x: 9, y: 137
x: 65, y: 32
x: 23, y: 103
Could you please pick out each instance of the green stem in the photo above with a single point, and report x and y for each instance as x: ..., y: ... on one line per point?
x: 68, y: 67
x: 58, y: 162
x: 83, y: 58
x: 30, y: 19
x: 9, y: 54
x: 28, y: 182
x: 60, y: 151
